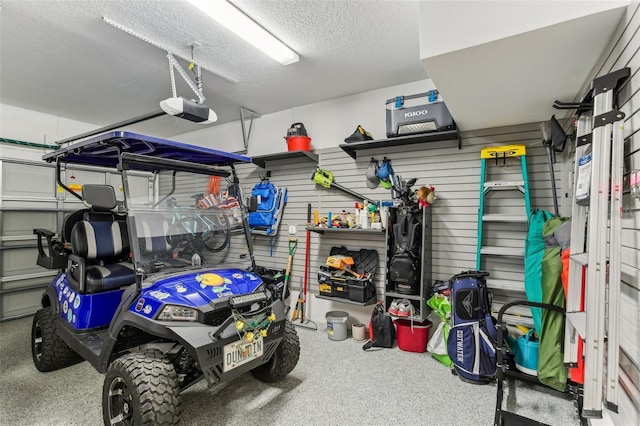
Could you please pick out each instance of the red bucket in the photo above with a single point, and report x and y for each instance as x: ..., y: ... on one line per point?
x: 299, y: 143
x: 412, y: 338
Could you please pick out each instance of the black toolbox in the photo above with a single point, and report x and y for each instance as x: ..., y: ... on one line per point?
x: 342, y: 284
x: 333, y: 285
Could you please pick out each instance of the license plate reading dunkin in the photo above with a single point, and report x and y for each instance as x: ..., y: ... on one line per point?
x: 241, y: 352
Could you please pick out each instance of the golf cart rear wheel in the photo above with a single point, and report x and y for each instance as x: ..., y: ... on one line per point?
x: 141, y: 389
x: 48, y: 349
x: 283, y: 360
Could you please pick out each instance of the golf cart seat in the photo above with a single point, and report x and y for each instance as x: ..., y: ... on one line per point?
x: 156, y: 243
x: 100, y: 245
x: 58, y: 248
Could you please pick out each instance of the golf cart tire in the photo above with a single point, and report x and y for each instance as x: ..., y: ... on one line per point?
x: 283, y: 360
x: 51, y: 352
x: 150, y: 381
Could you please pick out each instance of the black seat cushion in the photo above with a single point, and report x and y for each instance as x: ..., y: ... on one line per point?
x: 108, y: 277
x: 104, y: 247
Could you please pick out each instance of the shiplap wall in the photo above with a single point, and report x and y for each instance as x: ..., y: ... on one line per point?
x: 624, y: 52
x: 455, y: 175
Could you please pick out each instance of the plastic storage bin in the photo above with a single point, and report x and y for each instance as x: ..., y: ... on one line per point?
x: 412, y: 337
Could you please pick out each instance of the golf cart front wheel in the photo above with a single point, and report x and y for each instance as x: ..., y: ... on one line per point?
x: 283, y: 360
x: 141, y: 389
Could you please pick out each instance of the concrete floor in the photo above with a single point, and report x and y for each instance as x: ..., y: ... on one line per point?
x: 334, y: 383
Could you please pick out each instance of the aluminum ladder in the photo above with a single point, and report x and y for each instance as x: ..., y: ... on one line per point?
x: 592, y: 226
x: 500, y: 154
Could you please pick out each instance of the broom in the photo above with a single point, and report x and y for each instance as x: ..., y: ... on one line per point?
x: 302, y: 298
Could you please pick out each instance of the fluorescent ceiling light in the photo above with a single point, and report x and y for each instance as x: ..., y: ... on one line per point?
x: 236, y: 21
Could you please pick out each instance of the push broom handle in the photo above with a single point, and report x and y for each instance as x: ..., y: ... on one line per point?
x: 287, y: 272
x: 306, y: 254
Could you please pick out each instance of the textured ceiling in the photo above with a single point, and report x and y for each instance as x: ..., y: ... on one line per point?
x: 60, y: 57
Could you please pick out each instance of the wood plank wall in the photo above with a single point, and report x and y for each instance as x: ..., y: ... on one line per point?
x: 453, y: 172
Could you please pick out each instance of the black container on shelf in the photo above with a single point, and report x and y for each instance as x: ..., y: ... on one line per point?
x: 274, y: 280
x: 324, y: 281
x: 332, y: 283
x: 361, y: 290
x: 347, y: 285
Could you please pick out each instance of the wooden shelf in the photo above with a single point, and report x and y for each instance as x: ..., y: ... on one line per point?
x: 352, y: 148
x: 351, y: 302
x: 345, y: 230
x: 261, y: 160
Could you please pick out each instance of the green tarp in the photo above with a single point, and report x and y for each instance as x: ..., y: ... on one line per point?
x: 551, y: 370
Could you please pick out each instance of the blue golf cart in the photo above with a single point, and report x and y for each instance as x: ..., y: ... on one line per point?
x: 147, y: 291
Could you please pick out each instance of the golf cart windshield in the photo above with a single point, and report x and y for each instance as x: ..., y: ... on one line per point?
x: 186, y: 218
x: 182, y: 227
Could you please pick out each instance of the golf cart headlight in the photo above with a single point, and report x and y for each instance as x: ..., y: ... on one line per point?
x: 178, y: 313
x: 247, y: 299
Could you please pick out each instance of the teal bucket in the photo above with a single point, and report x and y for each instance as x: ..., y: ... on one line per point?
x: 527, y: 354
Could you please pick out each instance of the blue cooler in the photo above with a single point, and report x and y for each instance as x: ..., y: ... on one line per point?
x: 414, y: 114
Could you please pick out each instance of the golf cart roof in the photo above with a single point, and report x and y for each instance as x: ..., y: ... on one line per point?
x: 103, y: 150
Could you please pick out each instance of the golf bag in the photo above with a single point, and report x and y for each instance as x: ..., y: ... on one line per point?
x: 471, y: 343
x: 404, y: 267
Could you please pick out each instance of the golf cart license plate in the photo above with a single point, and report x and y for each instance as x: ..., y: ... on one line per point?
x: 240, y: 352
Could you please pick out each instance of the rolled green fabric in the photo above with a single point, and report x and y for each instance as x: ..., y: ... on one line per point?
x: 533, y: 253
x: 551, y: 370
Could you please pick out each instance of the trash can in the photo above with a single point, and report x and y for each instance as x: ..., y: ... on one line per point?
x: 337, y: 325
